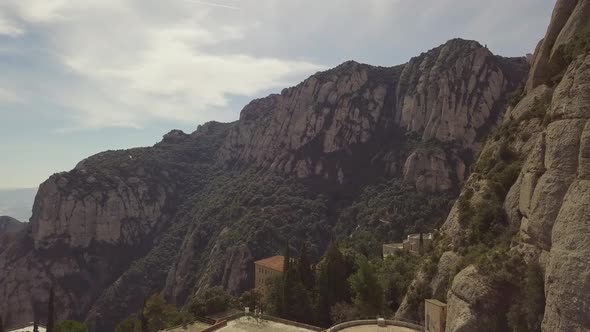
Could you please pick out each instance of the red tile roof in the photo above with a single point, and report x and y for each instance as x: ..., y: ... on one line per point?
x: 274, y: 263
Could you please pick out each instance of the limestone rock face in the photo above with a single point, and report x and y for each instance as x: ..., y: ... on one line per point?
x: 77, y: 219
x: 548, y: 203
x: 91, y: 223
x: 567, y: 281
x: 447, y: 94
x: 569, y: 17
x: 430, y: 170
x: 469, y: 289
x: 445, y: 271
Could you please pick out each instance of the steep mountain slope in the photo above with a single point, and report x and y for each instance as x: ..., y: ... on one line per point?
x: 526, y: 203
x: 9, y: 227
x: 197, y: 209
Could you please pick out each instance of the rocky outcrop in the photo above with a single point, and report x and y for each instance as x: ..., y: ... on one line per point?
x: 446, y: 269
x: 569, y: 18
x: 90, y: 224
x: 77, y: 219
x: 449, y: 94
x: 547, y: 204
x: 469, y: 290
x: 431, y: 170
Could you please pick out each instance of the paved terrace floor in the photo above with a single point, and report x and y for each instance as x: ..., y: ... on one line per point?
x: 196, y: 327
x: 375, y: 328
x: 247, y: 324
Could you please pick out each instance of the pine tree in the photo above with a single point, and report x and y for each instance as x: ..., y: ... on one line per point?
x: 304, y: 269
x: 50, y: 311
x: 368, y: 291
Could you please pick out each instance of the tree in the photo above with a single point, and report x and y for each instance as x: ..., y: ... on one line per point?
x: 331, y: 283
x: 251, y: 298
x: 130, y: 324
x: 397, y: 272
x: 35, y: 326
x: 421, y: 244
x: 304, y: 268
x: 368, y: 291
x: 50, y: 311
x: 211, y: 301
x: 287, y: 283
x: 158, y: 313
x: 70, y: 326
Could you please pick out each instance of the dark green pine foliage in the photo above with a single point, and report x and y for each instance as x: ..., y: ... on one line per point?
x: 368, y: 293
x: 304, y: 268
x: 287, y: 283
x: 51, y: 311
x: 331, y: 283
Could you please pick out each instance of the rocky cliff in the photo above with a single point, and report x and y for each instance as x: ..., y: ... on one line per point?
x: 532, y: 178
x: 196, y: 209
x: 358, y: 117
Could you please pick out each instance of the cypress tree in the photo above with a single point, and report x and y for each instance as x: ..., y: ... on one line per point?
x: 421, y: 244
x: 304, y: 268
x: 332, y: 284
x: 287, y: 281
x: 50, y: 311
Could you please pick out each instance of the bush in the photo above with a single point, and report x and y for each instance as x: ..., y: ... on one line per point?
x: 131, y: 324
x: 342, y: 312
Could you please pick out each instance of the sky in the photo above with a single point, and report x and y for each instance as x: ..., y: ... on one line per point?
x: 83, y: 76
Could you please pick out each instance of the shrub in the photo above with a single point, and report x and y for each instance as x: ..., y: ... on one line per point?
x: 342, y: 311
x: 70, y: 326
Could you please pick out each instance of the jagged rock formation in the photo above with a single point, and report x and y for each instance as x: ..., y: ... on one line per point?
x: 324, y: 125
x: 546, y: 206
x: 187, y: 213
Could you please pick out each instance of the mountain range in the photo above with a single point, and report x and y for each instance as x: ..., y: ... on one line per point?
x: 491, y: 151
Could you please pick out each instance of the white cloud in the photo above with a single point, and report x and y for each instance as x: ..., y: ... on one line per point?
x: 134, y: 62
x: 9, y: 28
x: 130, y: 63
x: 9, y: 97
